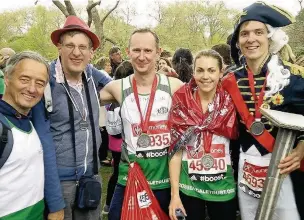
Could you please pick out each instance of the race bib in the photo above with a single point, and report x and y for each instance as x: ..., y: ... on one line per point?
x: 253, y: 179
x: 143, y: 199
x: 159, y: 140
x: 198, y: 172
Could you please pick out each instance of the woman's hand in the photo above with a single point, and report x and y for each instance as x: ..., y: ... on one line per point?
x: 175, y: 203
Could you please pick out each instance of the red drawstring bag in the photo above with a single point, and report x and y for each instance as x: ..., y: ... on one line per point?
x: 302, y: 165
x: 139, y: 200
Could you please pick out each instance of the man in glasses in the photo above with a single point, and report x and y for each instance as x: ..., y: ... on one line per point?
x: 73, y: 113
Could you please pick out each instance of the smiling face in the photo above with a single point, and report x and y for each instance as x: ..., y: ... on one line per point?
x: 253, y: 41
x: 207, y: 74
x: 75, y: 52
x: 25, y: 85
x: 143, y: 53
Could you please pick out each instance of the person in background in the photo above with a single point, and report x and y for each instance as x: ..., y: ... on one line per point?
x: 115, y: 57
x: 224, y: 51
x: 104, y: 64
x: 5, y: 54
x: 163, y: 63
x: 182, y: 62
x: 164, y: 67
x: 113, y: 125
x: 22, y: 173
x: 166, y: 54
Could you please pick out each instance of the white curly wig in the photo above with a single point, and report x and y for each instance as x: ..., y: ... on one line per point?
x: 278, y: 76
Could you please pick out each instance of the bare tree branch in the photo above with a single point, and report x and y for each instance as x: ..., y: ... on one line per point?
x: 301, y: 1
x: 61, y: 7
x: 89, y: 10
x: 110, y: 40
x: 109, y: 12
x: 69, y: 7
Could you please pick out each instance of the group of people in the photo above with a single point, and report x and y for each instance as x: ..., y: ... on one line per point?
x: 182, y: 131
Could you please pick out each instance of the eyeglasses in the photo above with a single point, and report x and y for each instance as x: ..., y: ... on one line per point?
x: 81, y: 48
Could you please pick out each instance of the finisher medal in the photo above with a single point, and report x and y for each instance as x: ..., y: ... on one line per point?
x: 143, y: 141
x: 208, y: 161
x: 257, y: 128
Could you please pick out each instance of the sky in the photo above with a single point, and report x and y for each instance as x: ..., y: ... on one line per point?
x: 143, y: 6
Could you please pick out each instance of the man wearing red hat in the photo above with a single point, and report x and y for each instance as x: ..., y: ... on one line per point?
x: 73, y: 112
x: 262, y: 80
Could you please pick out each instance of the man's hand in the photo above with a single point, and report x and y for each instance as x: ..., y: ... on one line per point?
x: 292, y: 161
x: 56, y: 215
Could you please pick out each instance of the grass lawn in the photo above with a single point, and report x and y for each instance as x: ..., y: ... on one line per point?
x: 105, y: 173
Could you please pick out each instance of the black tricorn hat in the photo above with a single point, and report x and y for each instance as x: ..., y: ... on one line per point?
x: 262, y: 12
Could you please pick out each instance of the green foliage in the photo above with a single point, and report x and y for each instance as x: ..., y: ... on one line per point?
x: 194, y: 25
x: 191, y: 24
x: 117, y: 30
x: 296, y: 34
x: 30, y: 29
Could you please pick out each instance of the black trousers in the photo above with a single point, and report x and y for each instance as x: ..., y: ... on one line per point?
x: 103, y: 150
x: 196, y: 208
x: 113, y: 179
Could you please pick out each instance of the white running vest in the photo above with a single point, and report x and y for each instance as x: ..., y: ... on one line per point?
x: 22, y: 175
x: 158, y: 129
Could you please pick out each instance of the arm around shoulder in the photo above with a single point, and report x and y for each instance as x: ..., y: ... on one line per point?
x: 52, y: 188
x: 175, y: 84
x: 111, y: 93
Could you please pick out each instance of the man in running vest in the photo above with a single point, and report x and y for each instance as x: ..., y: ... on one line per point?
x: 145, y: 100
x: 21, y: 157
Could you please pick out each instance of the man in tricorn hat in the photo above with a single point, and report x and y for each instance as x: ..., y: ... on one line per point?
x: 262, y: 80
x: 73, y: 121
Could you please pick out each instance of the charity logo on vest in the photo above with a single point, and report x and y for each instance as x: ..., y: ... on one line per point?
x: 152, y: 153
x: 162, y: 111
x: 136, y: 130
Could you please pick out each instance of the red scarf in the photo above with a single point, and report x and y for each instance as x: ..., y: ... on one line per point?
x: 186, y: 113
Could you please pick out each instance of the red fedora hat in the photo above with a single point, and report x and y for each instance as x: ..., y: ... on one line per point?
x: 74, y: 23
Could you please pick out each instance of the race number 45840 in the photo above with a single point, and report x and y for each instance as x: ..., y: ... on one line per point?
x: 197, y: 165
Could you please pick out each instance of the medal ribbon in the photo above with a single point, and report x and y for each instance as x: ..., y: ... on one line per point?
x: 207, y: 135
x: 258, y: 101
x: 144, y: 122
